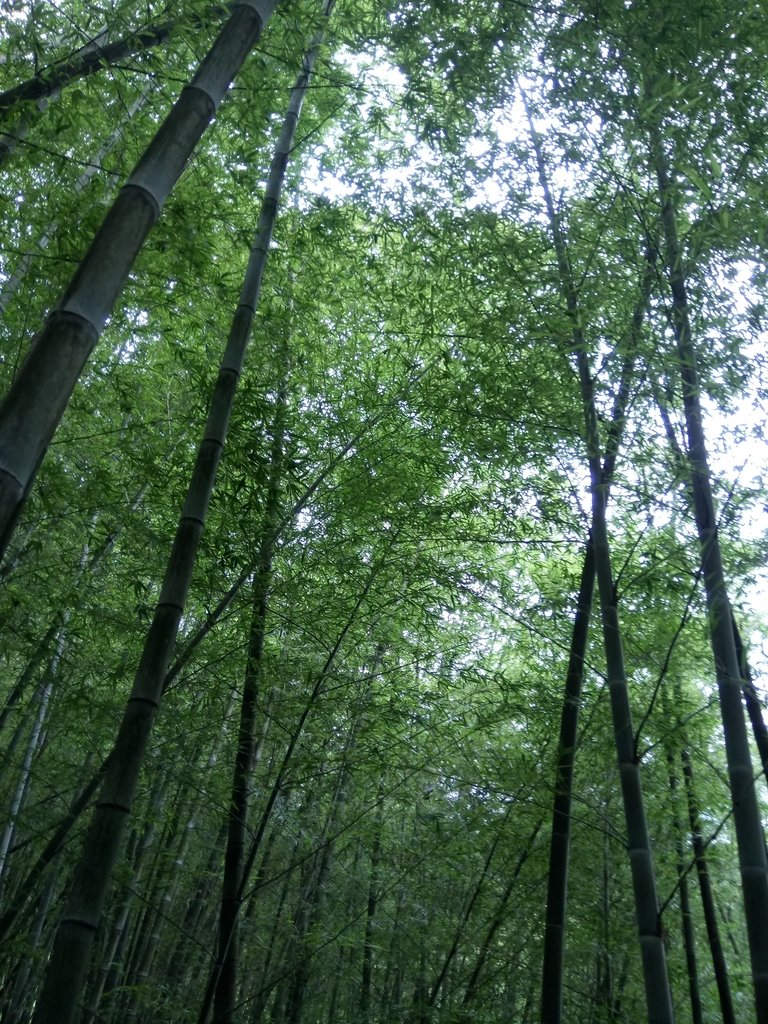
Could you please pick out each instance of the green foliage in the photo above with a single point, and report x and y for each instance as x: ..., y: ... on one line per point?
x: 433, y: 500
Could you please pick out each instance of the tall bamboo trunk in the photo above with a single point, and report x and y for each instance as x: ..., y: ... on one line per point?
x: 22, y: 786
x: 67, y: 967
x: 560, y: 839
x: 751, y: 698
x: 245, y: 755
x: 717, y: 953
x: 746, y: 812
x: 161, y: 905
x: 21, y: 989
x: 40, y: 393
x: 108, y: 967
x: 686, y: 914
x: 366, y: 978
x: 658, y: 995
x: 225, y: 994
x: 654, y: 964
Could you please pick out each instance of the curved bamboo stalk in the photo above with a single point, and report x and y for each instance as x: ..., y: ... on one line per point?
x: 66, y: 970
x: 716, y: 950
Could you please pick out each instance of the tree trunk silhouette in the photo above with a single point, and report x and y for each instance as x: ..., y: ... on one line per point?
x: 246, y: 756
x: 366, y: 976
x: 653, y: 954
x: 717, y: 953
x: 225, y: 995
x: 686, y: 915
x: 66, y: 970
x: 746, y: 812
x: 559, y: 850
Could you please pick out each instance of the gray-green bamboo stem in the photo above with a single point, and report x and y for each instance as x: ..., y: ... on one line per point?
x: 41, y: 391
x: 686, y: 915
x: 751, y: 698
x: 716, y: 950
x: 10, y: 139
x: 111, y: 953
x: 74, y: 938
x: 366, y: 978
x: 225, y: 993
x: 22, y: 786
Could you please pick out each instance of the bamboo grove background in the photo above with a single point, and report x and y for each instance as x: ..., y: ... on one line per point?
x: 459, y: 551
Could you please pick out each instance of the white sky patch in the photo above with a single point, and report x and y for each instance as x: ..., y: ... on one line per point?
x: 379, y: 86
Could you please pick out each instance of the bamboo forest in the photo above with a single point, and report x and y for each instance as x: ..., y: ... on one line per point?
x: 383, y: 512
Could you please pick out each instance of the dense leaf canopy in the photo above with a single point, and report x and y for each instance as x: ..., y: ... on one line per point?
x: 472, y: 257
